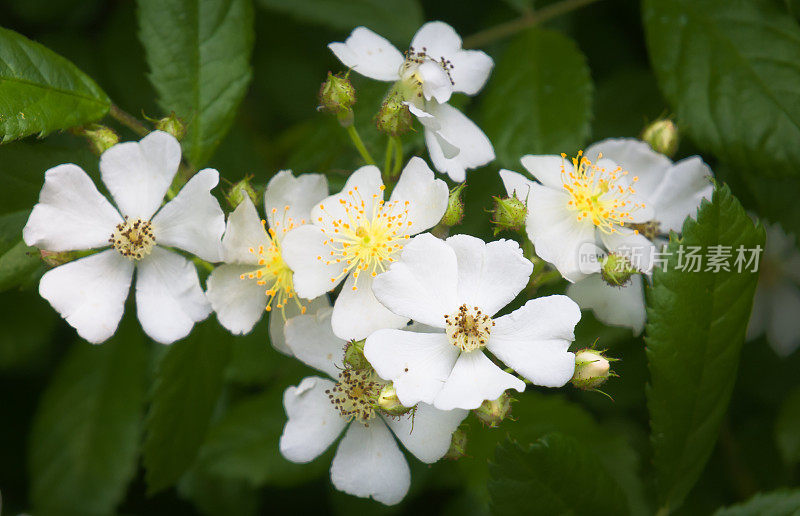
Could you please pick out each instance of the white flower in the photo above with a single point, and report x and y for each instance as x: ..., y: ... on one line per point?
x: 368, y: 462
x: 90, y: 293
x: 640, y: 197
x: 431, y: 70
x: 356, y: 235
x: 777, y: 301
x: 255, y: 276
x: 457, y: 286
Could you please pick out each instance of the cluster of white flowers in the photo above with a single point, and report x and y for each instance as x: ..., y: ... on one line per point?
x: 413, y: 340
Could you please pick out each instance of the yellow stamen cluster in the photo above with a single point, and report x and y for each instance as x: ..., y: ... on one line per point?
x: 273, y: 273
x: 598, y: 194
x: 411, y: 79
x: 133, y: 238
x: 355, y: 395
x: 469, y: 328
x: 364, y: 241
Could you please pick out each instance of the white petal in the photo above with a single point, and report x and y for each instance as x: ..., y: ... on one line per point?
x: 71, y: 213
x: 638, y: 249
x: 357, y: 313
x: 471, y: 69
x: 193, y: 220
x: 90, y: 293
x: 244, y: 231
x: 138, y: 174
x: 783, y: 327
x: 548, y: 170
x: 313, y: 422
x: 489, y: 275
x: 427, y: 431
x: 278, y: 319
x: 557, y: 235
x: 368, y: 463
x: 417, y: 363
x: 475, y: 148
x: 516, y: 184
x: 426, y: 196
x: 683, y: 187
x: 299, y: 193
x: 615, y: 306
x: 437, y: 39
x: 363, y: 185
x: 635, y: 156
x: 169, y: 299
x: 369, y: 54
x: 423, y: 284
x: 474, y: 379
x: 425, y: 118
x: 304, y: 251
x: 435, y: 81
x: 310, y: 338
x: 534, y: 339
x: 239, y: 303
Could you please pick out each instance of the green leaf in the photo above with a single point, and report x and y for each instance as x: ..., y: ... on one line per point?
x: 215, y: 495
x: 787, y: 428
x: 776, y: 503
x: 86, y: 433
x: 730, y: 69
x: 554, y: 475
x: 539, y: 98
x: 199, y: 52
x: 19, y: 264
x: 243, y: 445
x: 396, y: 20
x: 185, y: 392
x: 696, y: 326
x: 41, y: 92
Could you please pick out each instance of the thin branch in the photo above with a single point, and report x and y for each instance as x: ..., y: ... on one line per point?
x: 128, y: 120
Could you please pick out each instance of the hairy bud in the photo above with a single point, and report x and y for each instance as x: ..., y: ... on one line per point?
x: 354, y: 355
x: 592, y: 369
x: 172, y: 125
x: 455, y: 207
x: 508, y: 214
x: 238, y: 192
x: 101, y: 138
x: 337, y: 96
x: 394, y: 118
x: 493, y: 412
x: 389, y: 403
x: 663, y: 136
x: 617, y: 270
x: 458, y: 445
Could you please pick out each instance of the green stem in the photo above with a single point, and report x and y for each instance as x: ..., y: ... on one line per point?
x: 365, y: 155
x: 398, y: 156
x: 530, y: 19
x: 663, y: 511
x: 388, y: 161
x: 544, y: 278
x: 128, y: 120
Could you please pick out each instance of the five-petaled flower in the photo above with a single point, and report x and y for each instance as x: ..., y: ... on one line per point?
x: 368, y: 462
x: 355, y: 234
x: 90, y: 293
x: 255, y: 276
x: 434, y: 67
x: 457, y: 286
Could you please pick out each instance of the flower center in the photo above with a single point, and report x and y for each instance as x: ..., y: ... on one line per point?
x: 133, y: 238
x: 468, y: 329
x: 273, y: 272
x: 355, y: 395
x: 411, y: 80
x: 364, y: 242
x: 598, y: 194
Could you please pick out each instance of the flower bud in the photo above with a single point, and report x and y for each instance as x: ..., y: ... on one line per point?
x: 592, y: 369
x: 238, y: 192
x: 54, y: 259
x: 394, y: 118
x: 493, y: 412
x: 617, y: 270
x: 354, y: 355
x: 101, y: 138
x: 509, y: 214
x: 172, y: 125
x: 455, y: 208
x: 458, y: 445
x: 390, y: 403
x: 337, y: 96
x: 663, y: 136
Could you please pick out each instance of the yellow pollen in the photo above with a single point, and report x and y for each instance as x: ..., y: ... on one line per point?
x: 364, y: 240
x: 603, y: 196
x: 355, y: 395
x: 469, y: 328
x: 133, y: 238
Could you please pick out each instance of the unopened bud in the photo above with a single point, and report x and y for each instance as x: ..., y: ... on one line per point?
x: 390, y: 403
x: 172, y: 125
x: 458, y: 445
x: 455, y: 207
x: 663, y: 136
x: 592, y: 369
x: 508, y: 214
x: 101, y: 138
x: 238, y: 192
x: 394, y: 118
x: 354, y: 355
x: 337, y: 96
x: 54, y: 259
x: 493, y: 412
x: 617, y: 270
